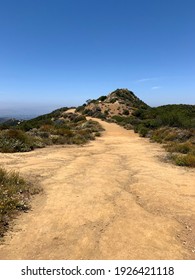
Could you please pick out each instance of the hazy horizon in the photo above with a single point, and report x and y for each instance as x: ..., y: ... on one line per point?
x: 41, y: 108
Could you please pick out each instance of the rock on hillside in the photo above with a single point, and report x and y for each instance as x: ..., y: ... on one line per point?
x: 119, y: 102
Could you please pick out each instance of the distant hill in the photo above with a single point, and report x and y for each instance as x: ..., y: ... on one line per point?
x: 2, y: 120
x: 122, y: 102
x: 9, y: 121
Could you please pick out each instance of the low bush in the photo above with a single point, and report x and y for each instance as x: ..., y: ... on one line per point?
x: 81, y: 108
x: 126, y: 112
x: 183, y: 148
x: 97, y: 134
x: 14, y: 140
x: 143, y: 131
x: 126, y: 120
x: 184, y: 160
x: 102, y: 98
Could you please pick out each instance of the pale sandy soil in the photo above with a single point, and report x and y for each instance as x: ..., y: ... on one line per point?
x: 113, y: 198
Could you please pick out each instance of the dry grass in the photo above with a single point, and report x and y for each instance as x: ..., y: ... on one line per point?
x: 15, y: 195
x: 183, y: 148
x: 184, y: 160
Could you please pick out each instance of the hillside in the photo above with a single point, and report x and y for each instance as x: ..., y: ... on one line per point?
x: 120, y: 102
x: 2, y: 120
x: 6, y: 122
x: 57, y: 127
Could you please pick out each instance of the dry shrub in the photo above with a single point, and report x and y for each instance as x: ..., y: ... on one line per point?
x: 15, y: 194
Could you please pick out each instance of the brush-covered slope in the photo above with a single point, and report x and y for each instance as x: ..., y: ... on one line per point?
x: 122, y: 102
x: 58, y: 127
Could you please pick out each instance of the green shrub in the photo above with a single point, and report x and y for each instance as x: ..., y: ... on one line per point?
x: 113, y: 100
x: 97, y: 134
x: 64, y: 132
x: 88, y: 112
x: 126, y: 112
x: 81, y: 108
x: 184, y: 160
x: 102, y: 98
x: 143, y: 131
x: 118, y: 118
x: 15, y: 141
x: 106, y: 112
x: 183, y: 148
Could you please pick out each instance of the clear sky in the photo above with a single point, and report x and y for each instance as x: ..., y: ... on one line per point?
x: 56, y: 53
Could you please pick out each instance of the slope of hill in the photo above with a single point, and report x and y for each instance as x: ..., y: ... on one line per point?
x: 57, y: 127
x: 173, y: 126
x: 120, y: 102
x: 2, y: 120
x: 8, y: 122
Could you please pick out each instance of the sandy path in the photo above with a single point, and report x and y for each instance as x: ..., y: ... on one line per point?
x: 111, y: 199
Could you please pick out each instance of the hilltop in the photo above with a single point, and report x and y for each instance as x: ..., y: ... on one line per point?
x: 122, y: 102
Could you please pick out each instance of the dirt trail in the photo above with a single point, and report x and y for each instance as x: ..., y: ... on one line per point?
x: 111, y: 199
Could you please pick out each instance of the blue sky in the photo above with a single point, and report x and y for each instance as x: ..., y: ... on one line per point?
x: 56, y: 53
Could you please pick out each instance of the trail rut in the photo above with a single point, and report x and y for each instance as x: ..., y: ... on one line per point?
x: 113, y: 198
